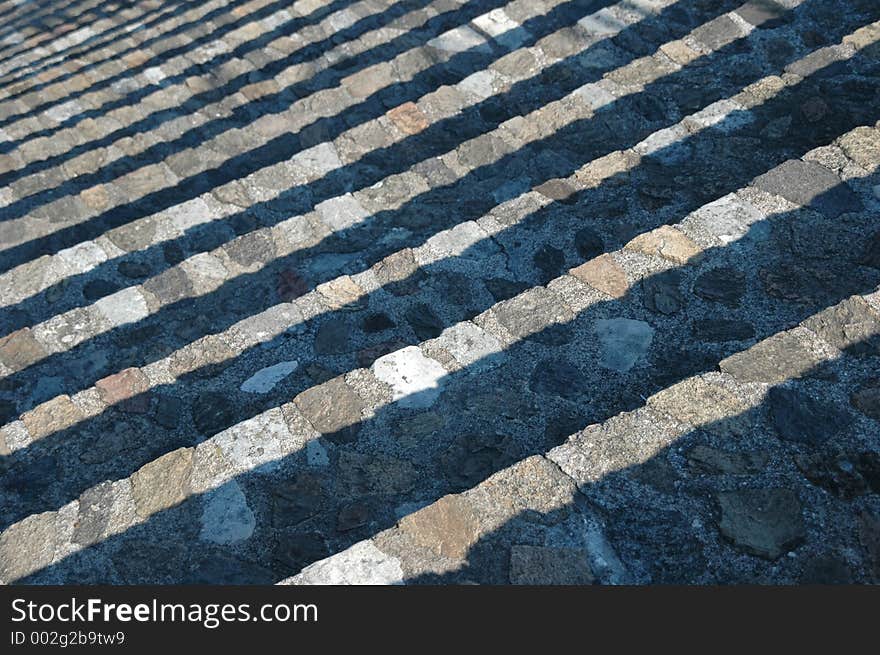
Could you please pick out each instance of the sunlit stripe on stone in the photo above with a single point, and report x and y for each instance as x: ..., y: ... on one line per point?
x: 148, y: 26
x: 265, y: 439
x: 212, y: 269
x: 175, y: 221
x: 323, y: 103
x: 37, y: 40
x: 95, y: 69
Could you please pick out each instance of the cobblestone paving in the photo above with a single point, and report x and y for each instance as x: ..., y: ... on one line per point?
x: 440, y: 291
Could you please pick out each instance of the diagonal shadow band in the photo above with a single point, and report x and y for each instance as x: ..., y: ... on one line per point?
x: 633, y: 127
x: 47, y: 20
x: 38, y: 474
x: 489, y: 414
x: 212, y: 26
x: 54, y: 25
x: 614, y: 127
x: 227, y: 302
x: 133, y: 97
x: 32, y: 44
x: 23, y: 15
x: 32, y: 18
x: 277, y: 150
x: 278, y: 102
x: 556, y: 81
x: 666, y: 517
x: 308, y: 53
x: 117, y: 30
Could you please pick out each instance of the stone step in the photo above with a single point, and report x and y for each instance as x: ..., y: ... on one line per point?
x: 144, y: 171
x: 60, y: 56
x: 491, y: 292
x: 420, y: 422
x: 575, y: 515
x: 169, y: 227
x: 210, y: 271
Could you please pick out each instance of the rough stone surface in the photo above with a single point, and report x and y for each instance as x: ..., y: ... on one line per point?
x: 867, y: 400
x: 264, y: 380
x: 27, y: 546
x: 623, y: 342
x: 533, y: 565
x: 604, y: 274
x: 700, y: 403
x: 724, y: 285
x: 408, y: 118
x: 19, y: 350
x: 763, y: 522
x: 122, y: 386
x: 448, y: 527
x: 50, y: 417
x: 471, y: 346
x: 798, y: 416
x: 730, y: 219
x: 333, y: 408
x: 414, y: 379
x: 277, y: 282
x: 226, y: 517
x: 256, y: 444
x: 666, y: 242
x: 126, y: 306
x: 162, y: 483
x: 531, y: 312
x: 362, y: 564
x: 806, y: 183
x: 852, y: 325
x: 773, y: 360
x: 713, y: 461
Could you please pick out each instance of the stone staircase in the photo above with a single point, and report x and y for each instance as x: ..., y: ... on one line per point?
x: 466, y: 292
